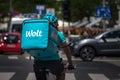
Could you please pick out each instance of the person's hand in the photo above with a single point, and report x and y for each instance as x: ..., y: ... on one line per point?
x: 69, y: 66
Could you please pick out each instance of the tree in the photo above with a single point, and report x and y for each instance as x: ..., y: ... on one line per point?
x: 78, y: 8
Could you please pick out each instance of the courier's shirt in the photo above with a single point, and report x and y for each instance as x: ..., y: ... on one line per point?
x: 50, y: 53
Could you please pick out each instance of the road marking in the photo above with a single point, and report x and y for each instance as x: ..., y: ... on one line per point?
x: 29, y: 57
x: 98, y: 76
x: 69, y: 76
x: 12, y: 57
x: 31, y: 76
x: 106, y: 59
x: 6, y: 75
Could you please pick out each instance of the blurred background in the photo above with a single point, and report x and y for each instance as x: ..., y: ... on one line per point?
x: 96, y: 56
x: 78, y: 13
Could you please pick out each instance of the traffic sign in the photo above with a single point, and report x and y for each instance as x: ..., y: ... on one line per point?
x: 50, y: 10
x: 40, y: 9
x: 103, y: 12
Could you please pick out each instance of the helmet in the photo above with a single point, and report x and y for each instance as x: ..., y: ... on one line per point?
x: 52, y: 19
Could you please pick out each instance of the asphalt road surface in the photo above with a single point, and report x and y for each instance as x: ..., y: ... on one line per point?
x: 19, y: 67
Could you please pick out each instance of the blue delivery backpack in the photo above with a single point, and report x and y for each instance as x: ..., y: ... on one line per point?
x: 36, y: 34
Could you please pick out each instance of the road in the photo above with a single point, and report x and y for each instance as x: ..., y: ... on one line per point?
x: 19, y: 67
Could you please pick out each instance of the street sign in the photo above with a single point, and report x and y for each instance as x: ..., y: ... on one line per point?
x: 103, y: 12
x: 40, y: 9
x: 50, y: 10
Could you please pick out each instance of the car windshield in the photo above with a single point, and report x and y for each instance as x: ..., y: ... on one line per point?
x: 17, y: 28
x: 10, y: 39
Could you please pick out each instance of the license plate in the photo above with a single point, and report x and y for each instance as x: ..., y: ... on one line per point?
x: 10, y: 45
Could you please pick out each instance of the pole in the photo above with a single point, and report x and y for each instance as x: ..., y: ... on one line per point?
x: 119, y: 16
x: 118, y: 7
x: 10, y: 13
x: 63, y: 26
x: 104, y: 20
x: 69, y: 32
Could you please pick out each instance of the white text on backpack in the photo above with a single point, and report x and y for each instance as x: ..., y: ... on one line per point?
x: 31, y: 33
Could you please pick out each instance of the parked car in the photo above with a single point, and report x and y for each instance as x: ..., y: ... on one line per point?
x: 10, y: 42
x: 103, y: 44
x: 2, y: 31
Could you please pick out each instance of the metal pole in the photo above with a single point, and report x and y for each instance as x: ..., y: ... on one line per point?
x: 104, y: 20
x: 69, y: 32
x: 118, y: 7
x: 10, y: 13
x: 119, y: 16
x: 63, y: 26
x: 103, y: 3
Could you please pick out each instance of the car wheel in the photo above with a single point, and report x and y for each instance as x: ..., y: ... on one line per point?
x: 87, y: 53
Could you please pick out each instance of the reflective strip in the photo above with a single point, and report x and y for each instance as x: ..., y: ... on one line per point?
x: 98, y: 76
x: 6, y: 75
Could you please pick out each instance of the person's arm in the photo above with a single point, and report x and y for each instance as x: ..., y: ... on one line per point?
x: 66, y: 49
x: 68, y: 53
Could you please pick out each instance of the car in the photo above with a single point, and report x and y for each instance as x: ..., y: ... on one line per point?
x: 10, y: 42
x: 2, y: 31
x: 16, y: 24
x: 104, y: 44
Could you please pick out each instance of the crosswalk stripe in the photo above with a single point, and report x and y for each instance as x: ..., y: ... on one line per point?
x: 29, y: 57
x: 12, y: 57
x: 6, y: 75
x: 98, y: 76
x: 31, y: 76
x: 69, y: 76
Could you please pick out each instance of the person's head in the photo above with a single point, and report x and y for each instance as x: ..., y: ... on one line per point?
x: 52, y: 19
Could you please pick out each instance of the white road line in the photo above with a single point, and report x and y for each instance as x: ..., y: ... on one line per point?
x: 69, y: 76
x: 12, y: 57
x: 29, y: 57
x: 31, y: 76
x: 98, y: 76
x: 106, y: 60
x: 6, y: 75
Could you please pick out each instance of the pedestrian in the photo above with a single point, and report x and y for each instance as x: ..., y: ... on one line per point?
x: 49, y: 58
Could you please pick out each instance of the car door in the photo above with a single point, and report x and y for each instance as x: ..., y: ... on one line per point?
x: 111, y: 43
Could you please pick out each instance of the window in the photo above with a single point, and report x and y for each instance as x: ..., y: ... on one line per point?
x: 114, y: 34
x: 17, y: 28
x: 10, y: 39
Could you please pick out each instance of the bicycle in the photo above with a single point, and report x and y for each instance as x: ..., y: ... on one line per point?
x: 50, y: 76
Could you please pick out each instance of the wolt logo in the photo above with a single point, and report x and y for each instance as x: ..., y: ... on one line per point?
x: 31, y: 33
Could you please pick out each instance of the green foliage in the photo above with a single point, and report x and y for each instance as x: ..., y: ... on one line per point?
x: 79, y: 8
x: 83, y: 8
